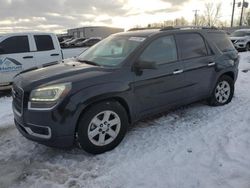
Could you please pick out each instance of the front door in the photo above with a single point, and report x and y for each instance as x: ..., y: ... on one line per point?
x: 157, y: 89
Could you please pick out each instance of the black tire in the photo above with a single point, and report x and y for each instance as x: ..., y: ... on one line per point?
x: 213, y: 101
x: 84, y: 124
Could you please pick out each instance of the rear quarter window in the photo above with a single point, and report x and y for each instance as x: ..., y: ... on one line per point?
x: 44, y: 42
x: 222, y: 41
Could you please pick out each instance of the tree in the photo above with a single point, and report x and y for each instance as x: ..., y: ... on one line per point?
x: 246, y: 19
x: 212, y: 14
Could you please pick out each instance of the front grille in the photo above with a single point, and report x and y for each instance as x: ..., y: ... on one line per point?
x: 17, y: 94
x: 233, y: 41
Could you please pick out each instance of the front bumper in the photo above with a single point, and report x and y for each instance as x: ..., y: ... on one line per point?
x: 239, y: 45
x: 43, y: 127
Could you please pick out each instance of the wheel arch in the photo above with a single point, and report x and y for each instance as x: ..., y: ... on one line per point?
x: 230, y: 74
x: 95, y: 101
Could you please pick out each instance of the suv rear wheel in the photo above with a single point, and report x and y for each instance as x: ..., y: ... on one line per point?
x: 102, y: 127
x: 223, y: 92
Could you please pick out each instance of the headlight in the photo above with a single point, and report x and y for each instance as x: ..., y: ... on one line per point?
x: 46, y: 97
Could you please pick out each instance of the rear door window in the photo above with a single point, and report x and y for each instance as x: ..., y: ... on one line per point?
x: 161, y: 51
x: 222, y: 41
x: 191, y: 45
x: 16, y: 44
x: 44, y: 42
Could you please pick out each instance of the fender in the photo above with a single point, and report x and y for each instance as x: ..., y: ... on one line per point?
x: 81, y: 100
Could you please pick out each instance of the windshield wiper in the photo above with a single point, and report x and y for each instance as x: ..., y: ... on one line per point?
x: 88, y: 62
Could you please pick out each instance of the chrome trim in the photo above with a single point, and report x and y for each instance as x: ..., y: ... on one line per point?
x: 41, y: 109
x: 178, y: 72
x: 18, y: 113
x: 211, y: 64
x: 30, y: 132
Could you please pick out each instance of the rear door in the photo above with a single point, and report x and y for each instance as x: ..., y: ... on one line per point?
x: 199, y: 64
x: 15, y: 56
x: 157, y: 89
x: 47, y: 50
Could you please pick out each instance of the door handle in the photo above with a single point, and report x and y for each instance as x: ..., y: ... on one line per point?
x: 54, y: 55
x: 27, y: 57
x: 178, y: 72
x: 211, y: 64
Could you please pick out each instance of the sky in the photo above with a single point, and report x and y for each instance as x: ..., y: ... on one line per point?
x: 59, y: 15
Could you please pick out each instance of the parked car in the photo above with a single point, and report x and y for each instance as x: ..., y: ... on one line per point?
x: 126, y: 77
x: 241, y: 39
x: 63, y: 38
x: 62, y: 44
x: 22, y: 51
x: 89, y: 42
x: 73, y: 42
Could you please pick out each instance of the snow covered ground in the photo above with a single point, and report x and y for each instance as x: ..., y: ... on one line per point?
x: 196, y: 146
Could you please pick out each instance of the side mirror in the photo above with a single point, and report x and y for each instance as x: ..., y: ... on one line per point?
x: 146, y: 65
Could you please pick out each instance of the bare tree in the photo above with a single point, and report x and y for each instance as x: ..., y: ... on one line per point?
x: 180, y: 22
x: 212, y: 14
x: 246, y: 18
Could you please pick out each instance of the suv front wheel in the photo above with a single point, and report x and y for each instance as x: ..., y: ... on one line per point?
x: 223, y: 91
x: 102, y: 127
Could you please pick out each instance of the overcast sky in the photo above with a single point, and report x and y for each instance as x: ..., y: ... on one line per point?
x: 59, y: 15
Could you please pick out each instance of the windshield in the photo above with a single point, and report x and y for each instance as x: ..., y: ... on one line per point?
x: 240, y: 34
x: 112, y: 51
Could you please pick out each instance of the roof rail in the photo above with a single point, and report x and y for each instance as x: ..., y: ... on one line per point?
x: 143, y: 28
x: 186, y: 27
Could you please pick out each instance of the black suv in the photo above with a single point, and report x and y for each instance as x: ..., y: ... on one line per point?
x: 92, y: 99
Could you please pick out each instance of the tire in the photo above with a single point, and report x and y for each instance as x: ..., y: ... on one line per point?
x: 102, y: 127
x: 223, y: 92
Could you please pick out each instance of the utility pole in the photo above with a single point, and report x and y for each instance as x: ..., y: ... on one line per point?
x: 242, y: 9
x: 196, y: 16
x: 232, y: 19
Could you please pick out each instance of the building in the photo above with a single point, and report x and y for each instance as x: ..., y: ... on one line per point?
x: 95, y: 31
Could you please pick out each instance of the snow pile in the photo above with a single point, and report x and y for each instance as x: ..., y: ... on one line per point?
x: 194, y: 146
x: 6, y: 116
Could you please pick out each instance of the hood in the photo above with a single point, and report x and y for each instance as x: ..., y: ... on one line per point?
x: 69, y: 71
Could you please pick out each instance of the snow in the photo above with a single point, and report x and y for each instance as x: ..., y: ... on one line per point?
x: 194, y: 146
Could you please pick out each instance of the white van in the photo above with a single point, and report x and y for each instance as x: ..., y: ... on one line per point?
x: 22, y: 51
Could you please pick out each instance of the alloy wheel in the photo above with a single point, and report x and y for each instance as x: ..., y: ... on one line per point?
x: 222, y: 92
x: 104, y: 128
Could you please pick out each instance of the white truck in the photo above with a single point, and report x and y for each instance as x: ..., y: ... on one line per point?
x: 22, y: 51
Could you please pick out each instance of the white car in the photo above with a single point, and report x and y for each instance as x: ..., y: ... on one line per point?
x: 241, y: 39
x: 22, y: 51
